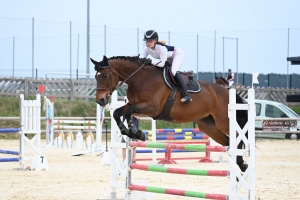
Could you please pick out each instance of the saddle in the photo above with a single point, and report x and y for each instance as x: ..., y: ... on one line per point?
x: 191, y: 85
x: 188, y: 77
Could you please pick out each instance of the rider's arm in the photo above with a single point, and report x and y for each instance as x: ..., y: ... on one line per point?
x: 145, y: 53
x: 232, y: 77
x: 163, y: 55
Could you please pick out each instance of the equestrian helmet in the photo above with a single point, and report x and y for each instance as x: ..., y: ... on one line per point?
x: 150, y: 35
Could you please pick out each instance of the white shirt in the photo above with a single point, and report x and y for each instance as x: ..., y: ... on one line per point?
x: 161, y: 52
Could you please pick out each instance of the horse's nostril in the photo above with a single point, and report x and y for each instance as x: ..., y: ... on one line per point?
x: 101, y: 102
x: 98, y: 102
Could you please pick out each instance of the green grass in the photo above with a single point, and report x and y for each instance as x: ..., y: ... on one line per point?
x: 296, y: 109
x: 9, y: 107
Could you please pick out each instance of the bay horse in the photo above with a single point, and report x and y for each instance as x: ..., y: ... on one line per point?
x: 222, y: 81
x: 147, y: 94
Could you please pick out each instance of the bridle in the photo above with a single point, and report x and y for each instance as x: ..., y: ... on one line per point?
x: 112, y: 72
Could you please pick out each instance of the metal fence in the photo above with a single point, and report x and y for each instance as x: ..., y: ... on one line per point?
x: 32, y: 48
x: 86, y: 89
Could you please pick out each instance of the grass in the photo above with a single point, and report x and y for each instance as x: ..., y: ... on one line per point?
x: 296, y: 109
x: 9, y: 107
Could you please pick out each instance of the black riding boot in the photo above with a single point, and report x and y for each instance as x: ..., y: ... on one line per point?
x: 185, y: 95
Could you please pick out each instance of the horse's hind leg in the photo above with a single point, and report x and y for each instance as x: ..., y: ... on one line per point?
x: 239, y: 159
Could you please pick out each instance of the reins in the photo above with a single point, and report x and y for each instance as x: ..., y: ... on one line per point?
x: 120, y: 84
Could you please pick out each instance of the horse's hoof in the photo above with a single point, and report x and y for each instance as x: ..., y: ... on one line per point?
x: 244, y: 167
x: 141, y: 135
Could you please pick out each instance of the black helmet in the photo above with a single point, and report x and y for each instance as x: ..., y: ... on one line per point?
x: 150, y: 35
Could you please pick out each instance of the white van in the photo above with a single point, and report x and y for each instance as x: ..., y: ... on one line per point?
x: 272, y: 109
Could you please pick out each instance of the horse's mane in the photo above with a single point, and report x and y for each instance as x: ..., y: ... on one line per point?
x: 223, y: 79
x: 130, y: 58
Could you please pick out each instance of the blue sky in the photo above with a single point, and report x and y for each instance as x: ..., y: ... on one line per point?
x: 260, y: 26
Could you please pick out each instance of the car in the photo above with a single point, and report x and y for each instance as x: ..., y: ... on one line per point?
x: 266, y: 109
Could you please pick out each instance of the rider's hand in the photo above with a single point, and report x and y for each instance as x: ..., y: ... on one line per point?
x: 146, y: 61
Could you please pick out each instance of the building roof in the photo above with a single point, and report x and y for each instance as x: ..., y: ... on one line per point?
x: 294, y: 60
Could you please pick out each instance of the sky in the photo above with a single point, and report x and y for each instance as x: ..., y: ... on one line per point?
x: 246, y: 36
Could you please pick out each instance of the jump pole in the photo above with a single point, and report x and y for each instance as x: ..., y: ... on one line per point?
x: 9, y: 159
x: 188, y: 147
x: 162, y: 169
x: 10, y: 152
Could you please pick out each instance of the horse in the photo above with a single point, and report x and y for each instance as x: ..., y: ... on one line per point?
x: 147, y: 94
x: 222, y: 81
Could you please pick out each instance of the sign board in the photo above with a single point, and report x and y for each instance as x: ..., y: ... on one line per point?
x: 279, y: 125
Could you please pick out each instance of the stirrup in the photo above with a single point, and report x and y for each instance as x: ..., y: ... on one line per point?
x: 186, y: 99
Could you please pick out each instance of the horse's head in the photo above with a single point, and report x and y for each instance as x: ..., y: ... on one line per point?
x: 106, y: 79
x: 221, y: 81
x: 216, y: 79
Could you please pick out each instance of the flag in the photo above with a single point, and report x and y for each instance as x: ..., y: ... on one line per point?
x: 254, y: 78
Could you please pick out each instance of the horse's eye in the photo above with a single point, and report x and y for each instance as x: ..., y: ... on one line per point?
x: 104, y: 76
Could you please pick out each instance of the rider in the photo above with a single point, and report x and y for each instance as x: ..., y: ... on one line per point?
x: 161, y: 51
x: 230, y: 78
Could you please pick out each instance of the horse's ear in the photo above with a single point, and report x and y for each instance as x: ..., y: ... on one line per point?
x: 105, y: 61
x: 94, y: 62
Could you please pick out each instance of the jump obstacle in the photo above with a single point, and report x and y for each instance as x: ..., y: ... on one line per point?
x: 30, y: 123
x: 171, y: 135
x: 239, y: 183
x: 53, y: 125
x: 11, y: 152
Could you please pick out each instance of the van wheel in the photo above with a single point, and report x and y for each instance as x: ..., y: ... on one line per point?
x: 292, y: 136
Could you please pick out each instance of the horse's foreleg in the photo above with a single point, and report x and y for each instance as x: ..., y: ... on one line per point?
x: 117, y: 116
x: 133, y: 132
x: 141, y: 108
x: 130, y: 124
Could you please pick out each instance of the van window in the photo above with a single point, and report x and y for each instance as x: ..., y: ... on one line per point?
x: 258, y: 108
x: 289, y: 111
x: 274, y: 112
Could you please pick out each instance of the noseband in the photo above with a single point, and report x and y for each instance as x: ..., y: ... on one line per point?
x: 111, y: 71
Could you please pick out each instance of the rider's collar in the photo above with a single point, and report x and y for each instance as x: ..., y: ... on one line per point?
x: 153, y: 47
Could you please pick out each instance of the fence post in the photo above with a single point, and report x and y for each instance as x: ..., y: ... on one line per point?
x: 26, y: 87
x: 71, y: 89
x: 269, y: 93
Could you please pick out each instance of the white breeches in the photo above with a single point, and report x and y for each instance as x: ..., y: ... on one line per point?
x: 178, y: 60
x: 230, y: 83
